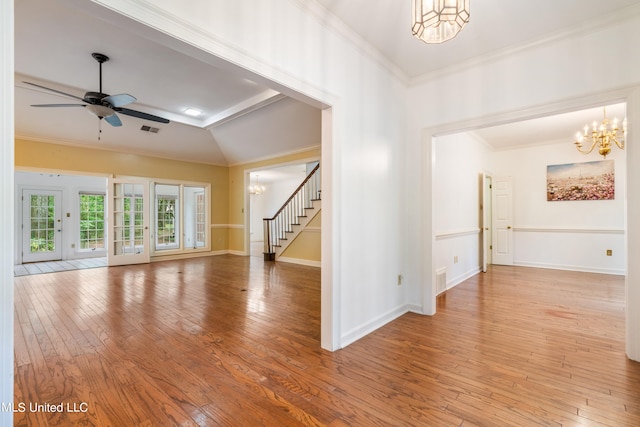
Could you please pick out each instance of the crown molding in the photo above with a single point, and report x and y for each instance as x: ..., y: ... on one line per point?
x: 333, y: 23
x: 277, y: 156
x: 590, y: 26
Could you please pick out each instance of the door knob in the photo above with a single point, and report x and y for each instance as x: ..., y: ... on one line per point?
x: 508, y: 227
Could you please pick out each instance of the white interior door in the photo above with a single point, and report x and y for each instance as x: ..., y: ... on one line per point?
x: 502, y: 212
x: 128, y: 236
x: 41, y: 225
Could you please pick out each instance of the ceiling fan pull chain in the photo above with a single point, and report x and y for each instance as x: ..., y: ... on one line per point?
x: 99, y: 128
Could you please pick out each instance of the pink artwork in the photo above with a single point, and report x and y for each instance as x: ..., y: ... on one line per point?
x: 581, y: 181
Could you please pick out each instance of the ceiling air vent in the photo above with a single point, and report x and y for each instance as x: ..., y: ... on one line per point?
x: 146, y: 128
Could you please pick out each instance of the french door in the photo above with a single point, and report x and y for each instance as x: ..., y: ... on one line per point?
x: 41, y: 225
x: 128, y: 236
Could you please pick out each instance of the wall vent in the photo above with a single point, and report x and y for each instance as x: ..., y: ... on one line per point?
x: 146, y: 128
x: 441, y: 280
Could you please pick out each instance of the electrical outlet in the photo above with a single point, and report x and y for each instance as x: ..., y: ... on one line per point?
x: 609, y: 252
x: 455, y: 259
x: 399, y: 279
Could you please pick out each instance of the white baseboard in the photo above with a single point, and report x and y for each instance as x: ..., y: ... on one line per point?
x: 230, y: 252
x: 300, y: 261
x: 462, y: 277
x: 361, y: 331
x: 414, y: 308
x: 614, y: 271
x: 172, y: 257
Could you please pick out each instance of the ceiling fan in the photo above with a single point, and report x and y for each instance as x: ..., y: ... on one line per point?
x: 102, y: 105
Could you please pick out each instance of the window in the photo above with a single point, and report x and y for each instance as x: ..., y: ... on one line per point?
x: 167, y: 217
x: 195, y: 217
x: 201, y: 217
x: 181, y: 215
x: 91, y: 222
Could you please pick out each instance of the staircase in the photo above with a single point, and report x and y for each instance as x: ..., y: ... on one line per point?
x: 294, y: 215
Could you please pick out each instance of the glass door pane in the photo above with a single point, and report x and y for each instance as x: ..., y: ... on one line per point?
x: 195, y: 217
x: 129, y: 229
x: 167, y: 224
x: 42, y: 225
x: 92, y: 221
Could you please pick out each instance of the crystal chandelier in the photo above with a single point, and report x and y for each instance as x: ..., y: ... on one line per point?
x: 602, y: 136
x: 436, y: 21
x: 256, y: 189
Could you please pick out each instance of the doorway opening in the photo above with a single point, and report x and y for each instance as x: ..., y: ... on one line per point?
x: 512, y: 162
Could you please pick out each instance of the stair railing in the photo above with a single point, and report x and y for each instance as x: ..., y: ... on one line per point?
x: 277, y: 227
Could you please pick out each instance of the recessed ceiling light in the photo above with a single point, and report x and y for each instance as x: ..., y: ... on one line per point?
x: 192, y: 112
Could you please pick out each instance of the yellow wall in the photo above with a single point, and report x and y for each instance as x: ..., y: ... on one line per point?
x: 237, y: 191
x: 65, y: 158
x: 306, y: 245
x: 227, y: 183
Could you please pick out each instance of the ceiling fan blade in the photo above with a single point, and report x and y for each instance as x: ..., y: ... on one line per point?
x: 141, y: 115
x: 55, y: 91
x: 113, y: 120
x: 58, y: 105
x: 120, y: 99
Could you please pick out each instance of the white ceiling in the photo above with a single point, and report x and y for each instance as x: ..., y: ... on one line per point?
x: 559, y: 128
x: 494, y: 26
x: 244, y: 121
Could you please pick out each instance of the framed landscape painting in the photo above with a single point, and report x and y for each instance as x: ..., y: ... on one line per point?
x: 581, y: 181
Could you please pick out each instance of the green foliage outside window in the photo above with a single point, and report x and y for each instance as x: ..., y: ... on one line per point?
x: 91, y: 221
x: 42, y: 224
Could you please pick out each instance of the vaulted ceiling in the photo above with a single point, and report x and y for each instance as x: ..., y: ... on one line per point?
x: 242, y: 120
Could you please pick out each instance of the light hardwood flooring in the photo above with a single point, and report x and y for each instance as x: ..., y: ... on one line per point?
x: 234, y: 341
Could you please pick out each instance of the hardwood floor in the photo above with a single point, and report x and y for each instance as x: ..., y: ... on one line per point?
x: 231, y: 341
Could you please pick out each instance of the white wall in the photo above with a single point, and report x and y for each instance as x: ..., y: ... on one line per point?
x: 70, y: 186
x: 544, y: 79
x: 267, y: 204
x: 571, y: 235
x: 460, y: 161
x: 6, y: 201
x: 292, y: 47
x: 563, y: 235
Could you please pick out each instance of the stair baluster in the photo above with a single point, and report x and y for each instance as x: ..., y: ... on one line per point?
x: 277, y: 227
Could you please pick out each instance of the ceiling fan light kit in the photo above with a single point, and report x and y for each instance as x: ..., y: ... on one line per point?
x: 102, y: 105
x: 100, y: 111
x: 436, y: 21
